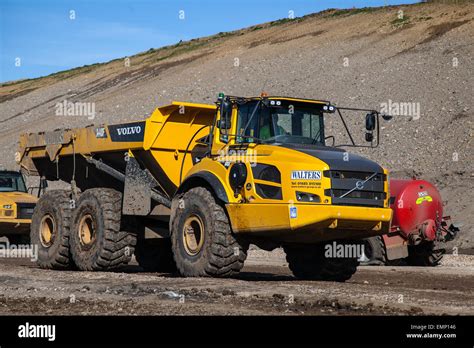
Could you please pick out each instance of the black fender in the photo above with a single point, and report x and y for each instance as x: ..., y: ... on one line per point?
x: 206, y: 179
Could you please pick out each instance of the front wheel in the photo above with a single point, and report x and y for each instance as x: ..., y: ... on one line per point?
x: 202, y: 241
x: 309, y: 262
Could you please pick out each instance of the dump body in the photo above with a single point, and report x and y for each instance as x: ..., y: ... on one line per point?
x: 159, y: 143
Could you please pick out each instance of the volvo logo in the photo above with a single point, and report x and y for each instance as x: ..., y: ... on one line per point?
x: 360, y: 185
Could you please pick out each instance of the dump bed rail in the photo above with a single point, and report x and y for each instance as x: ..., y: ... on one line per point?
x: 86, y: 141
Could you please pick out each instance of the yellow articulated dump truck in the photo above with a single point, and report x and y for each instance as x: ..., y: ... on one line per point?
x: 16, y: 207
x: 189, y: 189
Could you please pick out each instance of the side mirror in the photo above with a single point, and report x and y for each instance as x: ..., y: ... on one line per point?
x: 370, y: 121
x: 226, y: 113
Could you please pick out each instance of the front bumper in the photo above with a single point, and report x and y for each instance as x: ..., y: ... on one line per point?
x: 308, y: 223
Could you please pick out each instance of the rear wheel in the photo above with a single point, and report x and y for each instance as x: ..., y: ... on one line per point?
x: 100, y: 239
x: 155, y: 255
x: 424, y: 254
x: 202, y: 241
x: 50, y: 228
x: 309, y: 262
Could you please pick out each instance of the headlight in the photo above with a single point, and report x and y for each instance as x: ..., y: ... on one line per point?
x: 268, y: 191
x: 7, y: 206
x: 237, y: 176
x: 266, y: 172
x: 270, y: 173
x: 329, y: 108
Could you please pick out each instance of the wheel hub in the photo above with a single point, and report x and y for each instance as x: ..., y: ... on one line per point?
x: 193, y: 234
x: 47, y: 230
x: 87, y: 230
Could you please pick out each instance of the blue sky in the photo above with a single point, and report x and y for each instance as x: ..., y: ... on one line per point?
x: 45, y: 39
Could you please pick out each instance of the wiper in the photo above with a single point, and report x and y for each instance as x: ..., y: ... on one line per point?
x: 359, y: 185
x: 316, y: 137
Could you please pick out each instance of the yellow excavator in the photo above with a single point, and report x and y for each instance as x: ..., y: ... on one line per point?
x: 189, y: 189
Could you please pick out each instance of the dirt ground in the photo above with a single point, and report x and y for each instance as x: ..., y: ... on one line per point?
x: 265, y: 287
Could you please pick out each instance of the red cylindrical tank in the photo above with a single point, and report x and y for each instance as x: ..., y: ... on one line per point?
x: 417, y: 208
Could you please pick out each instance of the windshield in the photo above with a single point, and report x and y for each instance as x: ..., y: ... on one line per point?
x: 12, y: 182
x: 287, y: 122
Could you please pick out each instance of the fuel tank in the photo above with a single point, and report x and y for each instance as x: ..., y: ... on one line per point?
x: 417, y: 208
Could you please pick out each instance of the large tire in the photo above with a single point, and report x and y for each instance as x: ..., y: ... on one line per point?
x: 202, y: 241
x: 425, y: 255
x: 309, y: 263
x: 50, y: 228
x: 155, y: 255
x: 374, y: 249
x: 100, y: 239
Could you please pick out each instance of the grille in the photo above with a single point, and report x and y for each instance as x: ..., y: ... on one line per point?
x: 340, y: 174
x: 371, y: 194
x: 25, y: 210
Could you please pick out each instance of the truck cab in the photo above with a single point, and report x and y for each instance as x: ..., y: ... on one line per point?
x: 16, y: 206
x: 271, y: 154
